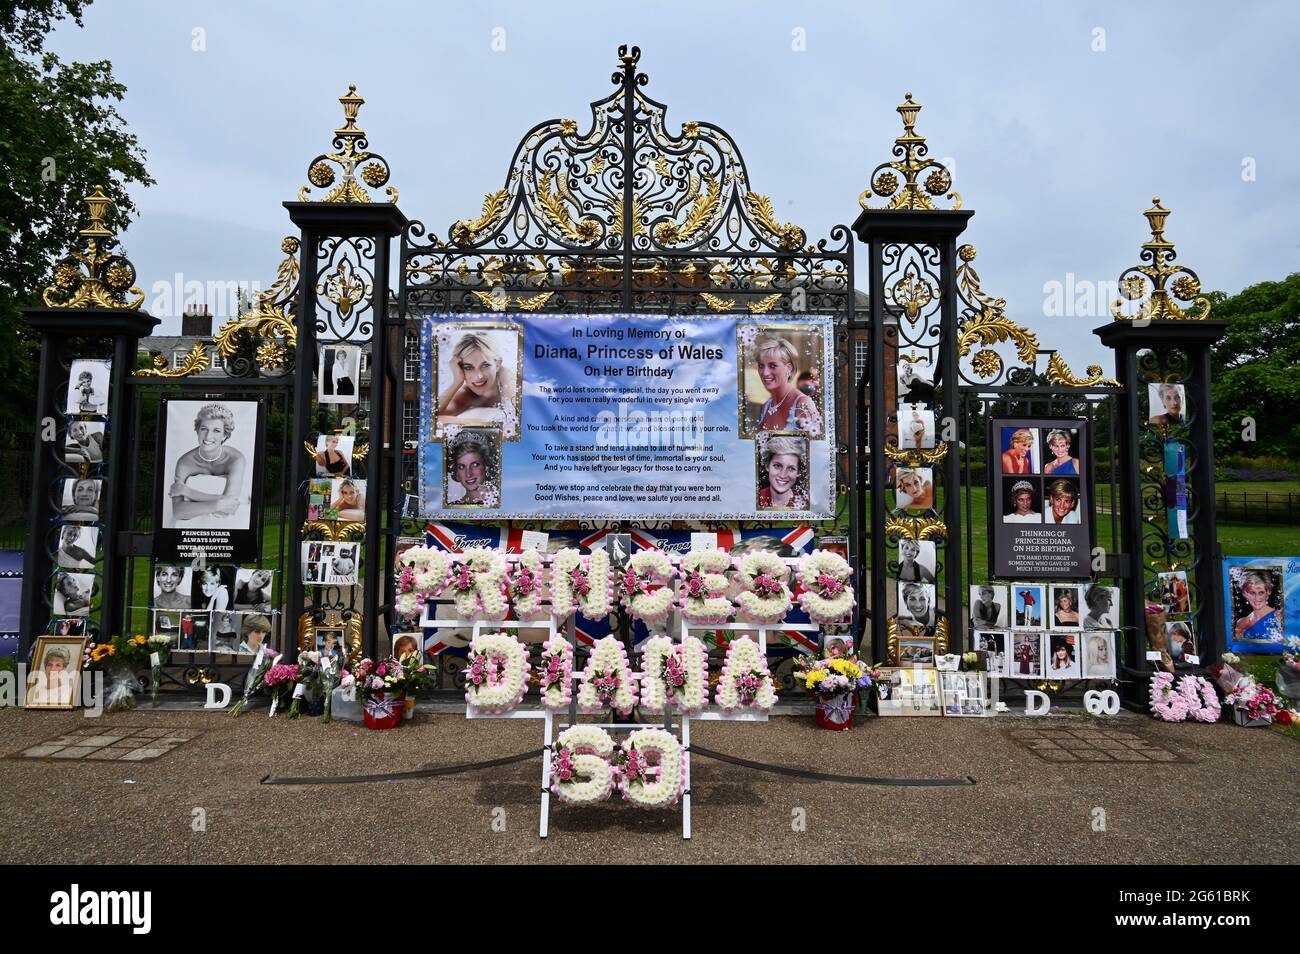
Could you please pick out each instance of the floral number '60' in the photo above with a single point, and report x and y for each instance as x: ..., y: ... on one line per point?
x: 647, y: 769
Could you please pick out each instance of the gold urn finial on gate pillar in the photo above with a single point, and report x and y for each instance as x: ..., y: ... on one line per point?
x: 1147, y: 289
x: 98, y: 277
x: 910, y: 149
x: 351, y: 154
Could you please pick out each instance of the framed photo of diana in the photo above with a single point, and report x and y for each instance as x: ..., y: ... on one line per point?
x: 477, y: 381
x: 782, y: 377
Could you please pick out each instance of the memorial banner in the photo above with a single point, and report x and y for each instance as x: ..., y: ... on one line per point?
x: 717, y: 417
x: 1040, y: 498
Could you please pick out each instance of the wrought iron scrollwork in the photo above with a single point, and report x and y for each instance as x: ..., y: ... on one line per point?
x: 580, y: 213
x: 345, y: 287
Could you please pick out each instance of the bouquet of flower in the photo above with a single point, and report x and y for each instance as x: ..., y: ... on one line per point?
x: 1254, y: 701
x: 835, y: 675
x: 416, y: 675
x: 119, y: 658
x: 378, y: 677
x: 332, y: 676
x: 309, y: 683
x: 256, y: 679
x: 279, y: 682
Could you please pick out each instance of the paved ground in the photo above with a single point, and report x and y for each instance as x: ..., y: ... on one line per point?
x: 1229, y: 796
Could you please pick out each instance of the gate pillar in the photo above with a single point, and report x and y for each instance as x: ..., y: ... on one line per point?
x: 912, y: 261
x: 1167, y: 507
x: 92, y: 312
x: 343, y: 297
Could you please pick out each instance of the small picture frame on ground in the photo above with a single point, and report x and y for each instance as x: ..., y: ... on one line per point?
x: 965, y: 694
x: 54, y: 681
x: 909, y: 692
x: 1098, y: 655
x: 914, y: 651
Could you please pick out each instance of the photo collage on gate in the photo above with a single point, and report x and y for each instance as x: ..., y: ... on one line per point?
x: 78, y: 540
x: 208, y: 592
x: 336, y: 494
x: 914, y: 684
x: 1171, y: 588
x: 1040, y: 629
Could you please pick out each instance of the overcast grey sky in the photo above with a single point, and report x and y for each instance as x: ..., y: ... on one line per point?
x: 1060, y: 134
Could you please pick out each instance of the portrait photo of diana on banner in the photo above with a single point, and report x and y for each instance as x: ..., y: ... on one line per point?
x: 478, y: 367
x: 780, y: 379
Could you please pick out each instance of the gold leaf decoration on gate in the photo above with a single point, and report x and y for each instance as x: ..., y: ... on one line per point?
x: 98, y: 277
x: 916, y: 528
x: 195, y: 361
x: 1058, y: 372
x: 495, y: 204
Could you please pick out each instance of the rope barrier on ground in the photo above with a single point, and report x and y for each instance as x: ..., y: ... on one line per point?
x: 695, y: 750
x: 401, y: 776
x: 829, y: 777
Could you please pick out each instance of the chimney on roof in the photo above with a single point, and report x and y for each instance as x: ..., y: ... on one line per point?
x: 196, y: 322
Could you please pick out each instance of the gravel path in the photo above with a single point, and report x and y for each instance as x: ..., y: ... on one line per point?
x: 1232, y: 801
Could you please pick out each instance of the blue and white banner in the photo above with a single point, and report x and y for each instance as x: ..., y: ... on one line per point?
x: 639, y: 417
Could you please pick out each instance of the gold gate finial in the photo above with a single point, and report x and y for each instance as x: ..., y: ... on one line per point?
x: 98, y: 277
x: 351, y: 155
x: 910, y: 149
x: 1147, y: 289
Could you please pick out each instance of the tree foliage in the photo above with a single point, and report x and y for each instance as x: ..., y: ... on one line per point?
x: 62, y: 136
x: 1255, y: 370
